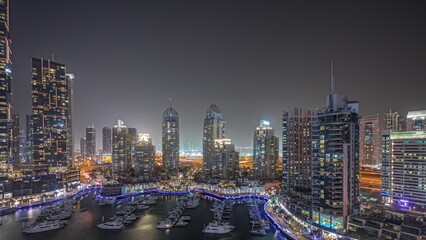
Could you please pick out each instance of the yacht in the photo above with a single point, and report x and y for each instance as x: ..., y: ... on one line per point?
x: 141, y: 207
x: 113, y: 225
x: 43, y: 227
x: 165, y: 224
x: 216, y: 229
x: 180, y: 223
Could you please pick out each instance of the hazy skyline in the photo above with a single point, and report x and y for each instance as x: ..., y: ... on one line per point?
x: 254, y: 59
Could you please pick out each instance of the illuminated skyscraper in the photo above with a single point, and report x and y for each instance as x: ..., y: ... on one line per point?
x: 83, y: 147
x: 225, y: 160
x: 214, y: 128
x: 5, y: 89
x: 265, y: 153
x: 395, y: 122
x: 408, y: 169
x: 91, y: 140
x: 418, y: 119
x: 297, y: 152
x: 335, y: 162
x: 145, y: 156
x: 133, y: 141
x: 369, y: 140
x: 106, y: 141
x: 121, y: 148
x: 170, y: 139
x: 29, y: 135
x: 15, y: 141
x: 51, y: 110
x: 386, y: 169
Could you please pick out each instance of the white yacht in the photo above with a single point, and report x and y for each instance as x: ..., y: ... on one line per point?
x: 113, y: 225
x: 165, y: 224
x: 216, y: 229
x: 181, y: 223
x: 43, y: 227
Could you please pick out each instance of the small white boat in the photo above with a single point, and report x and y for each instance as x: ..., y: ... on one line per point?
x: 165, y: 224
x: 43, y: 227
x: 113, y: 225
x: 181, y: 223
x: 216, y: 229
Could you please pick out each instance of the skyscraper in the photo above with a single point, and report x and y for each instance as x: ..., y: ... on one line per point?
x: 225, y: 160
x: 395, y: 122
x: 91, y: 140
x: 407, y: 178
x: 106, y: 141
x: 170, y: 139
x: 29, y: 135
x: 133, y: 135
x: 297, y: 152
x: 369, y: 140
x: 418, y: 119
x: 15, y: 140
x: 386, y: 171
x: 145, y: 156
x: 51, y: 110
x: 214, y: 128
x: 265, y: 153
x: 83, y: 147
x: 121, y: 148
x: 335, y: 162
x: 5, y: 89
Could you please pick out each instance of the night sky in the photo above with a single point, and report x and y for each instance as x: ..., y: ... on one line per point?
x: 253, y: 59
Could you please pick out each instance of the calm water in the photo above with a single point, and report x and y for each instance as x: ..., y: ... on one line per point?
x: 82, y: 225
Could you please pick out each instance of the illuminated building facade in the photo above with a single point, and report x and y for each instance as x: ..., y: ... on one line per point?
x: 121, y: 148
x: 106, y: 141
x: 83, y: 147
x: 15, y: 141
x: 170, y: 139
x: 369, y: 140
x: 297, y: 153
x: 29, y: 135
x: 133, y: 135
x: 214, y: 128
x: 386, y: 170
x: 225, y: 160
x: 5, y: 89
x: 145, y: 156
x: 395, y: 122
x: 91, y: 141
x: 265, y: 152
x: 408, y: 169
x: 418, y: 120
x: 335, y: 162
x: 50, y: 114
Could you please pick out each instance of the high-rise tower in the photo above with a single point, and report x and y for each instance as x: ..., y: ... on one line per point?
x: 297, y: 152
x: 265, y: 152
x: 170, y: 139
x: 91, y: 140
x: 5, y: 89
x: 369, y: 140
x: 335, y: 162
x: 121, y: 148
x: 145, y: 156
x: 106, y: 141
x: 50, y: 114
x: 214, y: 128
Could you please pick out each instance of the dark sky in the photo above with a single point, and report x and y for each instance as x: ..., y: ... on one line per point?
x: 252, y: 58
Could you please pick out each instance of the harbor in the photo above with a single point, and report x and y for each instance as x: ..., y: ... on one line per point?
x: 135, y: 216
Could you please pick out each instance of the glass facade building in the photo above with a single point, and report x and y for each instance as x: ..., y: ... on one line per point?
x: 121, y: 148
x: 265, y: 153
x: 297, y: 152
x: 5, y: 89
x: 50, y: 115
x: 170, y: 139
x: 369, y: 140
x: 335, y: 162
x: 213, y: 129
